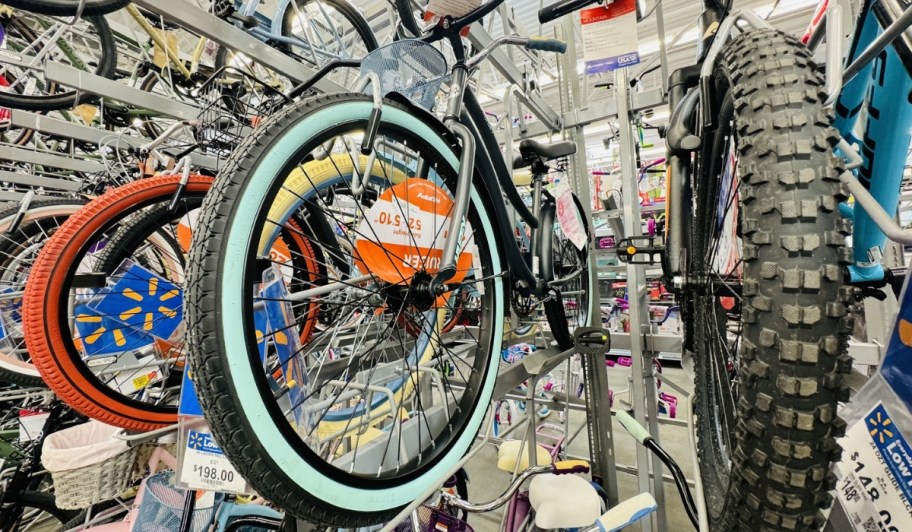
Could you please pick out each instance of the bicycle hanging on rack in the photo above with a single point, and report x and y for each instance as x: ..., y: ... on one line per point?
x: 345, y: 415
x: 756, y: 245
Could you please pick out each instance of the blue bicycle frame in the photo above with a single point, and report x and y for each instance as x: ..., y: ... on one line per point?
x: 886, y: 86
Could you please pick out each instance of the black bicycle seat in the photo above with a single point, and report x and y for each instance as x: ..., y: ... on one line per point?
x: 530, y: 151
x: 592, y: 341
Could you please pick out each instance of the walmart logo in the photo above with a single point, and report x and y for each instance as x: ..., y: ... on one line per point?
x: 879, y: 426
x: 893, y: 448
x: 201, y: 441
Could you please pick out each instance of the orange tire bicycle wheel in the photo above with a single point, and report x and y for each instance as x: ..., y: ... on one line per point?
x: 46, y: 308
x: 46, y: 315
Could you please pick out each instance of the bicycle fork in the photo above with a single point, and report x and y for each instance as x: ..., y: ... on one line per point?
x: 466, y: 167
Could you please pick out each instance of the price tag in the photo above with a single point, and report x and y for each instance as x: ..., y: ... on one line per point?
x: 131, y: 381
x: 205, y: 466
x: 31, y: 423
x: 568, y: 217
x: 610, y: 36
x: 876, y: 469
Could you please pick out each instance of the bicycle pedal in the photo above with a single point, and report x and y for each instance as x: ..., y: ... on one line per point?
x: 641, y: 250
x: 593, y: 341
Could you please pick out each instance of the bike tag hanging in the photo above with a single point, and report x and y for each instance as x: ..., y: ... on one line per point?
x: 567, y: 217
x: 404, y: 233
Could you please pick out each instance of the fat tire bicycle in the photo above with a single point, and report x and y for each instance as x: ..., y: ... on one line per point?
x: 757, y: 251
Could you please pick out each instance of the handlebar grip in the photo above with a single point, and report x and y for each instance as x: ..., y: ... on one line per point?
x: 564, y: 7
x: 563, y: 467
x: 547, y: 45
x: 636, y: 430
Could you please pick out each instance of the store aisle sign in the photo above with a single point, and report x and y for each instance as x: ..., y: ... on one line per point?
x: 875, y: 487
x: 610, y: 36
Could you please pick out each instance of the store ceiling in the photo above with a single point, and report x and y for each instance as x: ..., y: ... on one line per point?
x: 791, y: 16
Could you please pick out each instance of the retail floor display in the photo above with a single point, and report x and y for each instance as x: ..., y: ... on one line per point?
x: 403, y: 265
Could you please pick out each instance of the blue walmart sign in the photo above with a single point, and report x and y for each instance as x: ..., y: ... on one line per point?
x: 201, y: 441
x: 893, y: 447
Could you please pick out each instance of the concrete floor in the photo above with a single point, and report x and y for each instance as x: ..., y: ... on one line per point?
x: 486, y: 482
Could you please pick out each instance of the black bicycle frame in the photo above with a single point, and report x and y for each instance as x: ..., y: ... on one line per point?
x: 24, y: 479
x: 683, y: 125
x: 497, y: 181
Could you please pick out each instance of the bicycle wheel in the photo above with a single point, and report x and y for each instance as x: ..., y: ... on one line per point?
x: 68, y: 8
x: 108, y: 342
x: 567, y: 267
x: 356, y: 422
x: 330, y: 28
x: 38, y: 512
x: 88, y: 45
x: 18, y: 249
x: 769, y: 308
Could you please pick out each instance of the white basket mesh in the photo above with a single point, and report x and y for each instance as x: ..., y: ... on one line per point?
x: 412, y: 68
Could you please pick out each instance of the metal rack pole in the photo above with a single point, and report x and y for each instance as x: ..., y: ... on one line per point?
x: 598, y: 412
x: 642, y: 394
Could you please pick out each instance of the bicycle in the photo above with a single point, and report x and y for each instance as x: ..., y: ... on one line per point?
x: 440, y: 208
x: 102, y: 310
x: 30, y: 39
x: 335, y: 24
x: 756, y: 246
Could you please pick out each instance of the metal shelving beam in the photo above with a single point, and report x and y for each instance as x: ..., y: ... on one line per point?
x: 655, y: 343
x: 85, y: 81
x: 70, y: 130
x: 642, y: 386
x: 11, y: 196
x: 535, y: 364
x: 10, y: 153
x: 600, y: 428
x: 203, y: 23
x: 36, y: 181
x: 550, y: 120
x: 648, y: 99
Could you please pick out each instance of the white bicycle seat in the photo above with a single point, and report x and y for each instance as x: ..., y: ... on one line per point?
x: 509, y: 453
x: 563, y: 501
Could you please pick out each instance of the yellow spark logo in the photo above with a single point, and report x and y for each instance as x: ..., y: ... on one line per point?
x: 880, y: 427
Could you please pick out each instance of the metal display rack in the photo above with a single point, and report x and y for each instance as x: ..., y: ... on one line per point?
x: 642, y: 343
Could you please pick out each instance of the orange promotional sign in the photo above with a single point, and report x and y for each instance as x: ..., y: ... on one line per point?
x: 405, y: 230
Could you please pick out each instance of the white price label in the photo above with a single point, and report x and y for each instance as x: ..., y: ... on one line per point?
x: 610, y: 36
x: 568, y: 217
x: 876, y: 468
x: 31, y: 423
x: 204, y: 466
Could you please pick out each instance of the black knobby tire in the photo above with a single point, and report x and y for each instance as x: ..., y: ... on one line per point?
x: 552, y: 269
x: 37, y: 501
x: 68, y: 8
x: 66, y: 99
x: 792, y: 316
x: 133, y: 233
